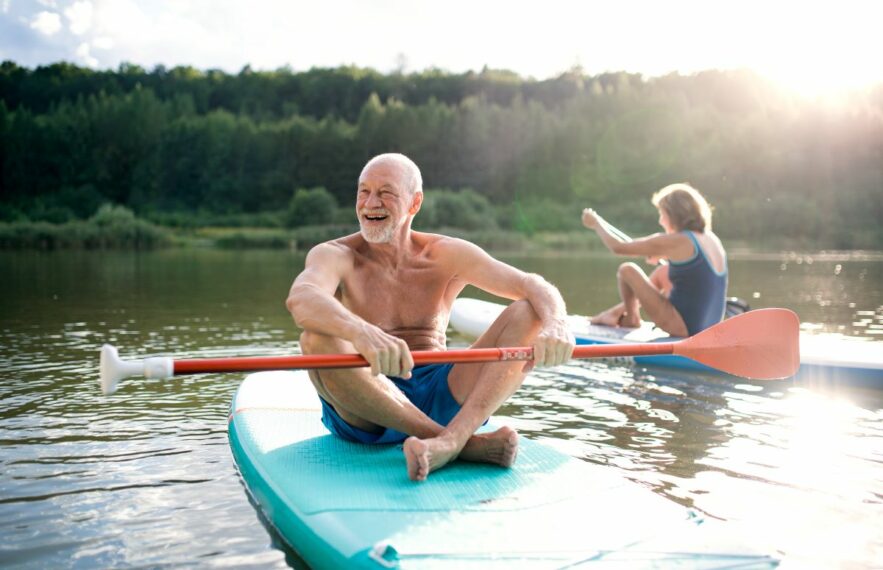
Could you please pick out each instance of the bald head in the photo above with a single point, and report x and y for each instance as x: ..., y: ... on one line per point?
x: 412, y: 180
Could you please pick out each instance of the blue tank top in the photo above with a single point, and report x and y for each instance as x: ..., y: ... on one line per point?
x: 699, y: 292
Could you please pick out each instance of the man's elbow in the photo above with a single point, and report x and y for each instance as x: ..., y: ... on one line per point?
x: 535, y: 281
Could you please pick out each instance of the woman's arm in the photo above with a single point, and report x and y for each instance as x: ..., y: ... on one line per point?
x: 669, y: 246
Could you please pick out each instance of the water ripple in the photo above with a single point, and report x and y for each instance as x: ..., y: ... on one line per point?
x: 144, y: 478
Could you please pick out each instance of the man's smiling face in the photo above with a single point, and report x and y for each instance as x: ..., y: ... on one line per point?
x: 384, y: 201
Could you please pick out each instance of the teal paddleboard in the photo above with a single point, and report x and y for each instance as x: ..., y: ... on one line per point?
x: 346, y: 505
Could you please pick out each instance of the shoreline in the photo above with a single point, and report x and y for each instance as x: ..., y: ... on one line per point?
x: 139, y: 235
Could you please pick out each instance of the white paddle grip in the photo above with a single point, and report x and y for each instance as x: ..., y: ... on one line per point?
x: 159, y: 367
x: 113, y: 369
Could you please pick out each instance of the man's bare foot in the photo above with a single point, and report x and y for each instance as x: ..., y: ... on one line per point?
x: 611, y: 317
x: 424, y: 456
x: 499, y: 447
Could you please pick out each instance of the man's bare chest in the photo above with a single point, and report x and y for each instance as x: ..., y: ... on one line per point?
x: 406, y: 297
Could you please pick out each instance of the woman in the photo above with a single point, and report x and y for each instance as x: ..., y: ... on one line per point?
x: 688, y: 294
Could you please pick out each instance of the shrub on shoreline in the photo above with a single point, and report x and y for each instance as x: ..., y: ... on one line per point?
x: 304, y: 238
x: 245, y: 239
x: 200, y: 219
x: 112, y: 227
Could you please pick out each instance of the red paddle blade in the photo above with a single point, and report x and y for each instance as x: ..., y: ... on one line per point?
x: 763, y: 344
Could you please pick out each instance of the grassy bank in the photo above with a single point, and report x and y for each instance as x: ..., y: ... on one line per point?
x: 302, y: 239
x: 116, y: 227
x: 112, y: 227
x: 139, y: 235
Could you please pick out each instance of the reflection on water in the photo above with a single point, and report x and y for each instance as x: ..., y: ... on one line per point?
x: 781, y: 464
x: 145, y: 478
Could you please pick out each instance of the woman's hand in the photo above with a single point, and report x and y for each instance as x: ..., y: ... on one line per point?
x: 591, y: 219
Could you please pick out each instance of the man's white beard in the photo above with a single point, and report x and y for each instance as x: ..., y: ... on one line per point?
x: 378, y: 234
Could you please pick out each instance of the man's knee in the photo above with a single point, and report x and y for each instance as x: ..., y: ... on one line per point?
x: 309, y: 342
x: 523, y: 314
x: 316, y: 343
x: 522, y: 310
x: 330, y: 386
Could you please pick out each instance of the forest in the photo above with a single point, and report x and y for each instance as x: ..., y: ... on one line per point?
x: 497, y: 151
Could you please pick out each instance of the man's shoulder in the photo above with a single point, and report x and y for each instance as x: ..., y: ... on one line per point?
x: 339, y: 247
x: 440, y: 240
x: 439, y: 245
x: 350, y: 242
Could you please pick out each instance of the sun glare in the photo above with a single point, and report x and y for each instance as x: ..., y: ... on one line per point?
x: 819, y: 78
x: 810, y: 48
x: 821, y: 50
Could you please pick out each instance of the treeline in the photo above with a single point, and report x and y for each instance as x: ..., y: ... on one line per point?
x: 337, y: 92
x: 183, y: 143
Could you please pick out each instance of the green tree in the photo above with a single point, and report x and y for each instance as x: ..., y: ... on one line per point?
x: 466, y: 209
x: 310, y: 207
x: 180, y: 141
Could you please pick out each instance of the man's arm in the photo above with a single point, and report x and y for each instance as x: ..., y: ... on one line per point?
x: 312, y: 303
x: 311, y: 299
x: 555, y: 342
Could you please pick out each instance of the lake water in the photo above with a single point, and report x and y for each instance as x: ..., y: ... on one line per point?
x: 145, y: 478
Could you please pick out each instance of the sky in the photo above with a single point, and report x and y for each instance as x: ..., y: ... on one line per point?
x: 812, y: 47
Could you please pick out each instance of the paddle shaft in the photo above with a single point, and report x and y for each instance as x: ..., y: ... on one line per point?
x: 320, y: 361
x: 761, y: 344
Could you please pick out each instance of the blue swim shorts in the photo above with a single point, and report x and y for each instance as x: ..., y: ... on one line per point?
x: 427, y: 389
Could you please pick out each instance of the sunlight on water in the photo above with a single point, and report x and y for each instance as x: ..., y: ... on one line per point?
x: 793, y: 469
x: 817, y: 459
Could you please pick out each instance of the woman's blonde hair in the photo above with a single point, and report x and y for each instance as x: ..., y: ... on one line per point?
x: 685, y: 207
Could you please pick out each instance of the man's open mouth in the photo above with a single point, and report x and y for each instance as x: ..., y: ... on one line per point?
x: 375, y: 217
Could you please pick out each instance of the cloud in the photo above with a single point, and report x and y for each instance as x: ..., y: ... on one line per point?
x: 47, y: 23
x: 79, y: 14
x: 103, y: 42
x: 85, y: 55
x: 540, y: 39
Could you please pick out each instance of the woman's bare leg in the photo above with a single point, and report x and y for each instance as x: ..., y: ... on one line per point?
x: 612, y: 317
x: 637, y: 291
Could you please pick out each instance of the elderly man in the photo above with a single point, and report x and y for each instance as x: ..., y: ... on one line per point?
x: 388, y: 290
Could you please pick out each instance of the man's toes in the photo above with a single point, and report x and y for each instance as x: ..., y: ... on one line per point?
x: 416, y: 459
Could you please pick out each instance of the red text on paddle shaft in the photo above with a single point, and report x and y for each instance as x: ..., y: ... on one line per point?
x: 516, y: 354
